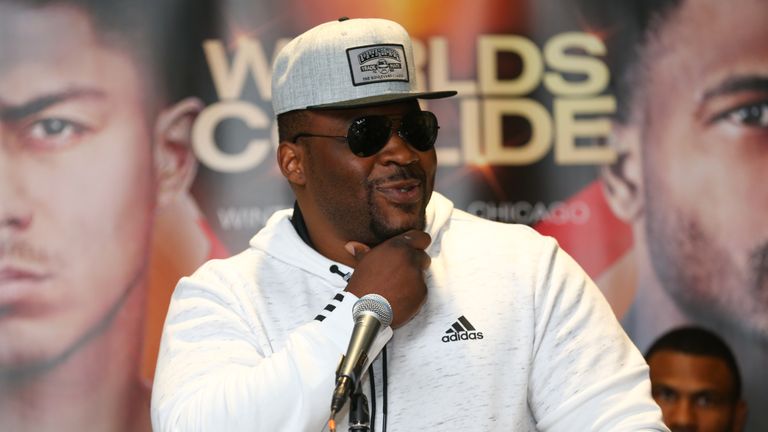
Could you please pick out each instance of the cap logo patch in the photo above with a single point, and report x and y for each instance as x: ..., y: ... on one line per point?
x: 377, y: 63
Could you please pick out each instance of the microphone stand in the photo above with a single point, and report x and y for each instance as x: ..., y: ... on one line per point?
x: 359, y: 415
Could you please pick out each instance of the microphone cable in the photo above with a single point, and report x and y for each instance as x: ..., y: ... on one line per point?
x: 384, y: 389
x: 373, y: 397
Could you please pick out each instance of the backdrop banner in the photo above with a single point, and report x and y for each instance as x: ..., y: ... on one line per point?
x: 138, y: 141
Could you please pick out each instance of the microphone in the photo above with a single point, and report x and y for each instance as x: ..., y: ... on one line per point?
x: 371, y: 313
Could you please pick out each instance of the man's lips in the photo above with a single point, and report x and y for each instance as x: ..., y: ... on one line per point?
x: 9, y: 273
x: 401, y: 191
x: 17, y: 282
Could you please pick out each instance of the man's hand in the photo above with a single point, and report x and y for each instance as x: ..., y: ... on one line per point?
x: 394, y: 270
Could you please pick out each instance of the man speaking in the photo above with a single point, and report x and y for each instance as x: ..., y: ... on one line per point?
x: 253, y: 342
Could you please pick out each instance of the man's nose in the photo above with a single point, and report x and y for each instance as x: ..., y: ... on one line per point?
x: 398, y: 151
x: 681, y: 417
x: 13, y: 214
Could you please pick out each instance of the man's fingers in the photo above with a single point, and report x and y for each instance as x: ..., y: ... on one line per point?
x: 417, y: 239
x: 356, y: 249
x: 426, y: 261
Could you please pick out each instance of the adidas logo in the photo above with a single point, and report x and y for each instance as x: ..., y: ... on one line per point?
x: 461, y: 330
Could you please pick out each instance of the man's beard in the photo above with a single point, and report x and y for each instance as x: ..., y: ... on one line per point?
x: 378, y: 224
x: 37, y: 363
x: 703, y: 279
x: 382, y: 231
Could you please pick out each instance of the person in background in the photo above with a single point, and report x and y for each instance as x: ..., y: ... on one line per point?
x: 696, y: 382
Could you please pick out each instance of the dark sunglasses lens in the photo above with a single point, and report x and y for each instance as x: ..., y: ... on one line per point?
x: 420, y: 130
x: 367, y: 135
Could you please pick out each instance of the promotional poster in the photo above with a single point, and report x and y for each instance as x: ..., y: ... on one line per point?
x: 138, y: 141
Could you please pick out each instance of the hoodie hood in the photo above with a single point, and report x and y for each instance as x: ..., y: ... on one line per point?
x: 280, y: 240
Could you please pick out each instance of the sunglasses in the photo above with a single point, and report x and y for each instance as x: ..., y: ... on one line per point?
x: 369, y: 134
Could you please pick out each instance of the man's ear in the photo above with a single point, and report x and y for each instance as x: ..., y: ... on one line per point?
x: 740, y: 415
x: 622, y: 180
x: 290, y: 159
x: 175, y: 164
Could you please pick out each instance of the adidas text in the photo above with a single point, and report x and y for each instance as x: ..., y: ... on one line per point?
x: 462, y: 336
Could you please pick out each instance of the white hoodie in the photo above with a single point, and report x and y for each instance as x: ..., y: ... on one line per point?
x: 513, y: 336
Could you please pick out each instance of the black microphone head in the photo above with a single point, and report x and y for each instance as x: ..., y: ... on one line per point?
x: 376, y: 304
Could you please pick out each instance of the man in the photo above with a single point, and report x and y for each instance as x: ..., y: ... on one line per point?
x: 696, y: 382
x: 692, y: 132
x: 495, y: 327
x: 91, y: 147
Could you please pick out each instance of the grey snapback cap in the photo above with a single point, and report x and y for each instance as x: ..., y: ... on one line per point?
x: 349, y: 63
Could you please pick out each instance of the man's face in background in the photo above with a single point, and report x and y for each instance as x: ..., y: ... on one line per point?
x: 695, y: 392
x: 77, y: 183
x: 700, y: 156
